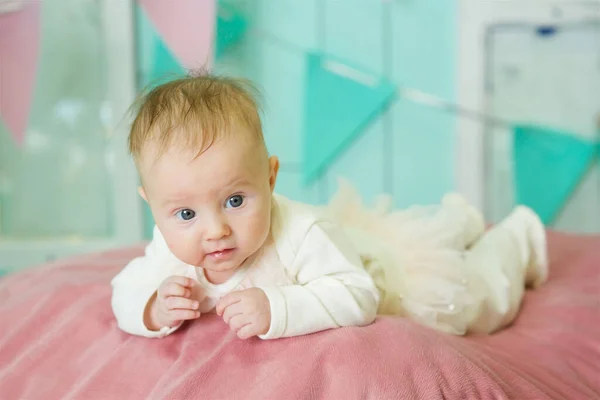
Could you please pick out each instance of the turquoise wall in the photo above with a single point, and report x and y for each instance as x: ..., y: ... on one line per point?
x: 409, y: 150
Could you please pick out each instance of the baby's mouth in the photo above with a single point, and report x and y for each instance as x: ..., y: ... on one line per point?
x: 221, y: 254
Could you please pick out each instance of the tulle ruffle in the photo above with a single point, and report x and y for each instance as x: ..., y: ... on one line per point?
x: 414, y: 255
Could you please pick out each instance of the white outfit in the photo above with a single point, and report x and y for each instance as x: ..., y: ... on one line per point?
x: 438, y: 265
x: 340, y: 265
x: 311, y: 274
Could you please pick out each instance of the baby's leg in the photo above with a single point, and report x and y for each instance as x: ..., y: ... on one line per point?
x: 500, y: 264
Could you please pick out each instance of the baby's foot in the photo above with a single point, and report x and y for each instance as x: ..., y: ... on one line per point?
x: 475, y: 224
x: 537, y: 270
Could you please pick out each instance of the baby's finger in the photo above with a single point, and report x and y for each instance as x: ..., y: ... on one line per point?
x: 232, y: 311
x: 173, y: 324
x: 183, y: 315
x: 198, y: 293
x: 237, y: 322
x: 247, y: 331
x: 226, y: 301
x: 179, y: 303
x: 175, y: 289
x: 182, y: 281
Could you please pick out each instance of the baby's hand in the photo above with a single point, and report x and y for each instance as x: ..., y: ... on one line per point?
x: 247, y: 312
x: 171, y: 304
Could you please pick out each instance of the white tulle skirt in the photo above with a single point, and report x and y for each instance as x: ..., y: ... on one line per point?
x: 415, y: 256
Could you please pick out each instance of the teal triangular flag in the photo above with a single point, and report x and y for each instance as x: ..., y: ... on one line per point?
x: 157, y: 63
x: 165, y: 65
x: 339, y: 103
x: 230, y: 28
x: 549, y: 164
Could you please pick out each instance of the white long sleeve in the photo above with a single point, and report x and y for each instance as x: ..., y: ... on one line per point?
x: 333, y: 289
x: 136, y: 284
x: 313, y: 277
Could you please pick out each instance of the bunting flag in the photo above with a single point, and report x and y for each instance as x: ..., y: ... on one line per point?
x: 340, y: 102
x: 19, y: 53
x: 549, y: 164
x: 156, y: 62
x: 187, y: 29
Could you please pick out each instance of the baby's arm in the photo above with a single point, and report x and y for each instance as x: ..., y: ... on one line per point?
x: 333, y: 290
x: 135, y: 290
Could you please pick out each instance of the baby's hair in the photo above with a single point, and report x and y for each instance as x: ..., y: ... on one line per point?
x: 193, y: 112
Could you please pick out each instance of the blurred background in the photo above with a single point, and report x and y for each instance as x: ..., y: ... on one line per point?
x: 414, y: 98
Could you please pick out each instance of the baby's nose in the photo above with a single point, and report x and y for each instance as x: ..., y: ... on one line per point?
x: 217, y: 229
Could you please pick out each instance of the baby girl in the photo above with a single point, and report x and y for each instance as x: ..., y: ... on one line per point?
x: 224, y: 242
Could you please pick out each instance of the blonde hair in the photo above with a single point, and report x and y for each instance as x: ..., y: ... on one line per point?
x: 193, y: 112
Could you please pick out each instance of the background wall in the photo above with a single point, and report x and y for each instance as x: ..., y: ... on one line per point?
x: 407, y: 151
x: 68, y: 98
x: 68, y: 186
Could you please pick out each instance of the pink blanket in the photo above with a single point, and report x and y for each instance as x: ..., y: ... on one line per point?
x: 59, y: 341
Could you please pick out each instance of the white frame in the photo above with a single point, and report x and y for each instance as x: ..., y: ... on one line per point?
x: 475, y: 16
x: 128, y: 219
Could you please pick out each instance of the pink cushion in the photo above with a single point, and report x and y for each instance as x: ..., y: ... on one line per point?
x: 59, y: 340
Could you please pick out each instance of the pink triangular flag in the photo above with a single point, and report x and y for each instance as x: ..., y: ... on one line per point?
x: 187, y: 28
x: 19, y: 51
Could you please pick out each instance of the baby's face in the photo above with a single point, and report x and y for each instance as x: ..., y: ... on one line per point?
x: 214, y: 211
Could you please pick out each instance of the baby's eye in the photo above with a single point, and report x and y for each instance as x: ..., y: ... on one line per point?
x: 234, y: 201
x: 186, y: 214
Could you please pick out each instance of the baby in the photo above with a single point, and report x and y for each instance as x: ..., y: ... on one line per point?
x: 224, y: 242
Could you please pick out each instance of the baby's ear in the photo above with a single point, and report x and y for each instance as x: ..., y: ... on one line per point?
x: 142, y: 193
x: 273, y: 169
